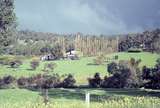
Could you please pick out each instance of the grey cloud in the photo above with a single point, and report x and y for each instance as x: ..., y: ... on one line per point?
x: 87, y: 16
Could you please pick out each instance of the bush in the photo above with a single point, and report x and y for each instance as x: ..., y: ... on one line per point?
x: 152, y: 75
x: 34, y: 64
x: 50, y: 81
x: 69, y: 82
x: 96, y: 81
x: 42, y: 81
x: 15, y: 63
x: 8, y: 79
x: 112, y: 68
x: 126, y: 74
x: 22, y: 82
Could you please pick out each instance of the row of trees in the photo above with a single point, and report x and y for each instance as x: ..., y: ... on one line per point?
x: 148, y: 41
x: 44, y: 81
x: 38, y: 43
x: 124, y: 74
x: 127, y: 74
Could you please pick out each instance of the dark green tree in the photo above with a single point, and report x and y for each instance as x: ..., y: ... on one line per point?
x: 7, y: 23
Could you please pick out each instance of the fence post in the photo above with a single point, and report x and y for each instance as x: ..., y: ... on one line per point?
x: 87, y: 99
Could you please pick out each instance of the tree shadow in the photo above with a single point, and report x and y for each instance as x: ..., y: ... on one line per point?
x: 134, y: 92
x: 107, y: 95
x: 93, y: 64
x: 29, y: 69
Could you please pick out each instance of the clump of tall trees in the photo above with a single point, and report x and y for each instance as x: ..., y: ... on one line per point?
x: 128, y: 74
x: 147, y: 41
x: 152, y: 76
x: 7, y: 24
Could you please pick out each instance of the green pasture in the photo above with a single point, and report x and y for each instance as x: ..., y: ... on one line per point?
x: 75, y: 98
x: 81, y: 69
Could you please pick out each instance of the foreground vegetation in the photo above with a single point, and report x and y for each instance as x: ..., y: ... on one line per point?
x: 75, y: 98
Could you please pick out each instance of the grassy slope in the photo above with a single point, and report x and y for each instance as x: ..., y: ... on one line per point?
x: 79, y: 68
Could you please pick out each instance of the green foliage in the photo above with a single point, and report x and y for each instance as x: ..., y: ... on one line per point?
x: 68, y: 82
x: 126, y: 74
x: 7, y: 23
x: 7, y: 81
x: 112, y: 68
x: 152, y: 75
x: 96, y: 81
x: 146, y: 41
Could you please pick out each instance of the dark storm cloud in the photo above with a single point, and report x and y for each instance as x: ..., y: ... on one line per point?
x: 88, y: 16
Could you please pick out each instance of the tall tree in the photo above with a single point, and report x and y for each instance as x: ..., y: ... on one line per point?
x: 7, y: 22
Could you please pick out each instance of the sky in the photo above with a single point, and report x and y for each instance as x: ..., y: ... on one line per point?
x: 88, y: 16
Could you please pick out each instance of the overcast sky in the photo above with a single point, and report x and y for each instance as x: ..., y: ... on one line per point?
x: 88, y: 16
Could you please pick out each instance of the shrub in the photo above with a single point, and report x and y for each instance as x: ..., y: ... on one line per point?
x: 68, y: 82
x: 152, y: 75
x: 8, y: 79
x: 112, y: 67
x: 34, y: 64
x: 15, y: 63
x: 43, y: 81
x: 116, y: 57
x: 126, y: 74
x: 22, y: 82
x: 50, y: 81
x: 96, y: 81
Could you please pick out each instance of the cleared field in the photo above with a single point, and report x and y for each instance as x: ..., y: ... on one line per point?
x: 81, y: 69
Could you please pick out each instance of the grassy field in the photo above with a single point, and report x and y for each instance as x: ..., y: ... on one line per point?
x: 81, y: 69
x: 75, y: 98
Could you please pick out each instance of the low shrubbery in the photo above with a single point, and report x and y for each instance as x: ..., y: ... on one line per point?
x: 68, y: 82
x: 46, y: 81
x: 15, y: 63
x: 152, y: 76
x: 96, y: 81
x: 127, y: 74
x: 7, y: 81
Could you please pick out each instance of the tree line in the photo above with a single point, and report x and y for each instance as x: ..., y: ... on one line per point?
x: 147, y: 41
x: 27, y: 42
